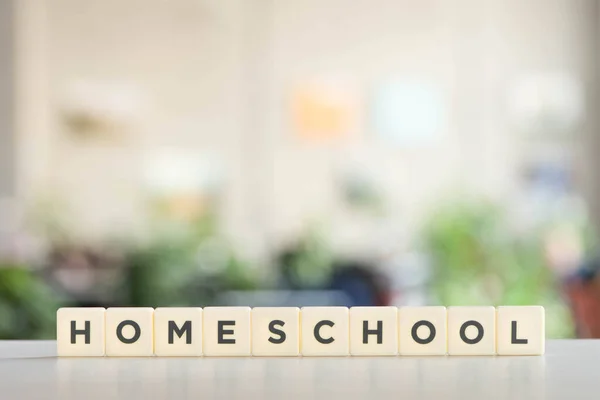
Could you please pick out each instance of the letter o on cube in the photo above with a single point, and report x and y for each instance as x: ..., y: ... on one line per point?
x: 129, y: 331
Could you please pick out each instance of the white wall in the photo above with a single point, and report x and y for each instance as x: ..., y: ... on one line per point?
x: 474, y: 50
x: 185, y: 57
x: 7, y: 106
x: 216, y: 75
x: 8, y: 139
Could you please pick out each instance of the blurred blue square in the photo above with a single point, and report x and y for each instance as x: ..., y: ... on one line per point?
x: 407, y: 112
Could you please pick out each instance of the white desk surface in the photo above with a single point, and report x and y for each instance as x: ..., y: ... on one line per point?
x: 569, y: 370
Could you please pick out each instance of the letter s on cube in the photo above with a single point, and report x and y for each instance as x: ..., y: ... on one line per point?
x: 275, y: 331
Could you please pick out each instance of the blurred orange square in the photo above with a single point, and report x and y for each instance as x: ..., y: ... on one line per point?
x: 323, y: 113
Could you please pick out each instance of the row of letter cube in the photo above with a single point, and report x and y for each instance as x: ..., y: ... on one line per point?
x: 310, y: 331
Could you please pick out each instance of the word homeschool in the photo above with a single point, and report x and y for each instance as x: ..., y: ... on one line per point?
x: 310, y: 331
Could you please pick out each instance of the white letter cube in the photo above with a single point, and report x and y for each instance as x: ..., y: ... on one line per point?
x: 129, y: 331
x: 80, y: 332
x: 276, y: 331
x: 378, y: 326
x: 423, y: 331
x: 520, y: 330
x: 471, y: 331
x: 325, y: 331
x: 227, y: 331
x: 178, y: 331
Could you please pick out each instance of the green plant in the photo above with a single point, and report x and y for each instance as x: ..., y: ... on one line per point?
x: 188, y: 265
x: 308, y: 263
x: 478, y: 260
x: 27, y: 305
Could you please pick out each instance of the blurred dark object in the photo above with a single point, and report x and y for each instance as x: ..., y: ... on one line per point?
x: 307, y: 263
x: 583, y: 292
x: 183, y: 264
x: 362, y: 283
x: 171, y: 275
x: 85, y: 276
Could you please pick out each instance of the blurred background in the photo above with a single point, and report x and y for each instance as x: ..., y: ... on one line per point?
x: 210, y: 152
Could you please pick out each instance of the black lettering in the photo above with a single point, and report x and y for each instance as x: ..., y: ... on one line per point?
x: 463, y: 329
x: 415, y: 334
x: 136, y: 334
x: 185, y: 328
x: 513, y: 334
x: 85, y: 331
x: 378, y: 332
x: 222, y: 332
x: 273, y: 329
x: 318, y: 335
